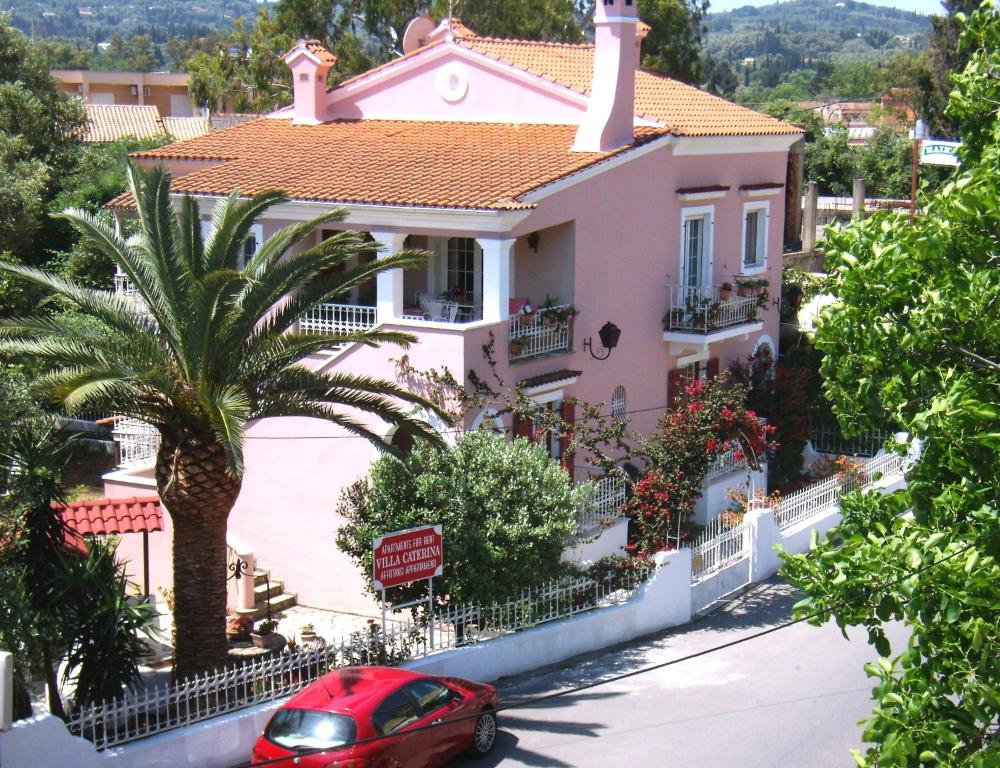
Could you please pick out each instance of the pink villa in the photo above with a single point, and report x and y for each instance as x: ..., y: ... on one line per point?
x: 532, y: 172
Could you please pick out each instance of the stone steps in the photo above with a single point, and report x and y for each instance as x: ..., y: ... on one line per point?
x: 264, y: 587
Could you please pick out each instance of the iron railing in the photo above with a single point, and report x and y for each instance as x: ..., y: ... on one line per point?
x: 701, y: 309
x: 541, y: 333
x: 140, y: 714
x: 337, y: 318
x: 826, y: 436
x: 603, y: 507
x: 801, y: 505
x: 719, y: 546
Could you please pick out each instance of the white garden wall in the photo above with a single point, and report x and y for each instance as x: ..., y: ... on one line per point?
x: 664, y: 601
x: 603, y: 543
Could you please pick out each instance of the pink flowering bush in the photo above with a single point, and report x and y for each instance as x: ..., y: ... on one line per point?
x: 711, y: 420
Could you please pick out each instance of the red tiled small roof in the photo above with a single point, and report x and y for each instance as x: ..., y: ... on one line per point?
x: 761, y: 186
x: 548, y: 378
x: 95, y: 517
x: 699, y: 190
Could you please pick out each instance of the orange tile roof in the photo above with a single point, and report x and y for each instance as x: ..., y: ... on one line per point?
x: 104, y: 516
x: 110, y: 122
x: 387, y: 162
x: 320, y: 51
x: 686, y: 110
x: 183, y: 128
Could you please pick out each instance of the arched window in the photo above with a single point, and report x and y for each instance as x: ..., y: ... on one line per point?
x: 618, y: 406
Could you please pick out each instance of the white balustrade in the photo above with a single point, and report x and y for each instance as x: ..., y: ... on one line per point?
x: 701, y: 309
x: 338, y: 318
x: 137, y: 442
x: 540, y: 333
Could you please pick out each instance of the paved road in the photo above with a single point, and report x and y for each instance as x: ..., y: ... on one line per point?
x: 792, y: 698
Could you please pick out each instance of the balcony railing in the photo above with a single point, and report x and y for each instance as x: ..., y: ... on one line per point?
x: 137, y: 442
x: 704, y: 309
x: 337, y: 318
x: 541, y: 333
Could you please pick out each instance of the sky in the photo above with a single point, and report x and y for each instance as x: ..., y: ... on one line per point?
x: 920, y: 6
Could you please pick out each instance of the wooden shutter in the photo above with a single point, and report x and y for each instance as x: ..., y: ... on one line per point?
x: 713, y: 367
x: 675, y: 387
x: 569, y: 419
x: 522, y: 426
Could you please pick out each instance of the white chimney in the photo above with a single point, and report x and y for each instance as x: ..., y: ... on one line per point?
x: 608, y: 122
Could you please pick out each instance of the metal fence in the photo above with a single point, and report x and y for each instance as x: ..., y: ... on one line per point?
x: 137, y: 715
x: 604, y: 505
x: 826, y: 436
x: 720, y: 545
x: 539, y: 333
x: 798, y: 506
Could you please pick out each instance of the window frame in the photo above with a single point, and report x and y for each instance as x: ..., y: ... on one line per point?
x: 763, y: 222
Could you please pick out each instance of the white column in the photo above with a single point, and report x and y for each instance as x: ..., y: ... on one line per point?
x: 497, y: 255
x: 6, y: 690
x: 389, y: 283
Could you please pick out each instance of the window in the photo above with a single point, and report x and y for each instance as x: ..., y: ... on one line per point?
x: 696, y: 246
x: 618, y: 408
x: 251, y: 245
x: 755, y: 217
x: 696, y: 371
x: 429, y: 695
x: 462, y: 266
x: 309, y: 729
x: 398, y: 711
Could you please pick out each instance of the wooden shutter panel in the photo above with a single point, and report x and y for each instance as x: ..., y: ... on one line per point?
x: 522, y: 426
x: 675, y: 387
x: 713, y: 367
x: 569, y: 419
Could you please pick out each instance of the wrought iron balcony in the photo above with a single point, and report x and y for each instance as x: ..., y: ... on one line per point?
x: 706, y: 309
x: 540, y: 333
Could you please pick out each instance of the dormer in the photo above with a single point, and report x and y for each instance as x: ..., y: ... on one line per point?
x: 310, y: 63
x: 611, y: 110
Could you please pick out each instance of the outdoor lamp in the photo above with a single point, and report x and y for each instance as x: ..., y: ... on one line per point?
x: 609, y: 335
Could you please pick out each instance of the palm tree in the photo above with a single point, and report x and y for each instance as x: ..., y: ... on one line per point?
x: 211, y: 348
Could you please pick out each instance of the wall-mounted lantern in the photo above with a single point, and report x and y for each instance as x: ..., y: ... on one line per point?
x: 609, y: 335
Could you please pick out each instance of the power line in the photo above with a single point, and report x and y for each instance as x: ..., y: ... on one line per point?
x: 625, y: 675
x: 662, y: 408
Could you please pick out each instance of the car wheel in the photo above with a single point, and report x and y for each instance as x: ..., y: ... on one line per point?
x: 485, y: 735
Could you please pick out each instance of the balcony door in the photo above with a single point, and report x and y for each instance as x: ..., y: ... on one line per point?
x: 696, y: 247
x: 460, y: 270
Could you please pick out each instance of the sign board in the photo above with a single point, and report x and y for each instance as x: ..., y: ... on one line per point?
x: 938, y: 152
x: 405, y: 556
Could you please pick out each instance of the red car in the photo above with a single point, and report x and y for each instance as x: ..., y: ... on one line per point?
x: 355, y: 704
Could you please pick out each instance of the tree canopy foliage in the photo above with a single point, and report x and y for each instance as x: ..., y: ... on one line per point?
x: 914, y: 339
x: 507, y: 509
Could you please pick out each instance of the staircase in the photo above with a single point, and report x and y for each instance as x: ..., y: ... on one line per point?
x: 263, y: 587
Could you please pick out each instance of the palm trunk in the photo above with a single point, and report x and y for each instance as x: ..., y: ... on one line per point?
x: 198, y: 494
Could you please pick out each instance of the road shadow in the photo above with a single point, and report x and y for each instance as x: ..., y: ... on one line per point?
x: 758, y: 606
x: 508, y: 748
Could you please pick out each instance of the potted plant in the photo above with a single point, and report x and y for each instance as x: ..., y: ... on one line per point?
x: 725, y: 291
x: 307, y: 633
x: 238, y: 628
x: 762, y: 293
x: 265, y: 636
x: 744, y: 287
x: 527, y: 314
x: 514, y: 345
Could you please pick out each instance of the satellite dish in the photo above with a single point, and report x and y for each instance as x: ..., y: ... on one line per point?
x: 417, y: 32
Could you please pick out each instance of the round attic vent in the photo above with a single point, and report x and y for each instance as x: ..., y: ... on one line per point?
x: 452, y: 82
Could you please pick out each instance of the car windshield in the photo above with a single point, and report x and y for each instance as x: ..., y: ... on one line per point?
x: 309, y: 729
